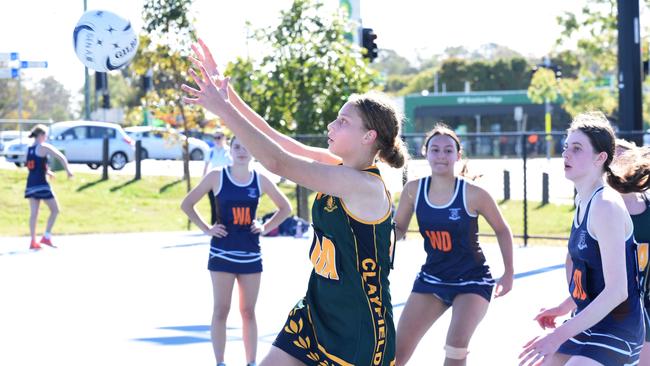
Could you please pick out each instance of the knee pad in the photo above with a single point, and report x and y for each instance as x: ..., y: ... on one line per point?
x: 455, y: 353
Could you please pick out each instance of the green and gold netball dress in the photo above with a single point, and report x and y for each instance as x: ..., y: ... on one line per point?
x: 346, y: 318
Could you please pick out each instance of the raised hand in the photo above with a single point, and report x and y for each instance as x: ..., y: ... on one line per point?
x: 204, y: 56
x: 209, y: 95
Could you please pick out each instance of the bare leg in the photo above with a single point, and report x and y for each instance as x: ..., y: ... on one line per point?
x: 644, y: 360
x: 582, y: 361
x: 557, y: 359
x: 467, y: 312
x: 34, y: 205
x: 222, y: 284
x: 249, y: 288
x: 278, y: 357
x: 420, y: 312
x: 53, y: 205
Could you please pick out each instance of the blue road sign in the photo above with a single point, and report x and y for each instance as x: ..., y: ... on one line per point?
x: 8, y: 56
x: 9, y: 73
x: 31, y: 64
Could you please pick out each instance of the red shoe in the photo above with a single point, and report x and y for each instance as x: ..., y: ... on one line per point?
x: 34, y: 245
x: 47, y: 242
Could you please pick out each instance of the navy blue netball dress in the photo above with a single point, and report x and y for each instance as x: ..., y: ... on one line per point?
x: 37, y: 186
x: 235, y: 207
x: 455, y: 263
x: 618, y: 338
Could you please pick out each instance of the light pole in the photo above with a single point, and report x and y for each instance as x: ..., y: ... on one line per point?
x: 86, y: 83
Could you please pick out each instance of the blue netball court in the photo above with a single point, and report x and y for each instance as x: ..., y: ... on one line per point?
x: 145, y: 299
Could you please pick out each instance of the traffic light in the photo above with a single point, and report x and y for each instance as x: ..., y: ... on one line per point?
x: 368, y: 38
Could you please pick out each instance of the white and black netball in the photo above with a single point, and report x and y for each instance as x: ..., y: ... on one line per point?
x: 104, y: 41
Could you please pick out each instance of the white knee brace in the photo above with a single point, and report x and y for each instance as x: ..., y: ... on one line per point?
x: 455, y: 353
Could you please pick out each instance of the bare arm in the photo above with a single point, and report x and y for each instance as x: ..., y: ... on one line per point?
x: 339, y: 181
x: 608, y: 225
x: 289, y: 144
x: 51, y: 150
x: 189, y: 202
x: 281, y: 202
x: 405, y: 208
x: 487, y: 207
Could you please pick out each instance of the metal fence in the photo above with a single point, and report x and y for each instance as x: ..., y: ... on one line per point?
x: 522, y: 166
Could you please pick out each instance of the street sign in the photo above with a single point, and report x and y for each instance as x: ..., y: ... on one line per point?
x: 8, y: 73
x: 31, y: 64
x: 8, y: 56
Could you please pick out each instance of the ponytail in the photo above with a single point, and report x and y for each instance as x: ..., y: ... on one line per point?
x: 631, y: 171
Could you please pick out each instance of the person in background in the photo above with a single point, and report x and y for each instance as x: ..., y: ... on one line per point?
x: 37, y: 188
x: 219, y: 156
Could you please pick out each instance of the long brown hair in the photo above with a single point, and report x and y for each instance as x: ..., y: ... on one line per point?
x: 441, y: 129
x: 632, y: 167
x: 633, y: 163
x: 378, y: 114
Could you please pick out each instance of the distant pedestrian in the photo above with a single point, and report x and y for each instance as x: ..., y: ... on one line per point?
x: 38, y: 189
x: 219, y: 156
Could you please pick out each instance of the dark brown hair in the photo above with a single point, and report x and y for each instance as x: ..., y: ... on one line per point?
x: 38, y: 130
x: 631, y: 176
x: 378, y: 114
x: 441, y: 129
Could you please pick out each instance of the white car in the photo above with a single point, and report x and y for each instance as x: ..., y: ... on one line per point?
x: 15, y: 151
x: 161, y: 143
x: 81, y: 142
x: 6, y: 136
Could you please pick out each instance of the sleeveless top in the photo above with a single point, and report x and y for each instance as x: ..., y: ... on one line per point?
x: 348, y: 297
x: 235, y: 207
x: 450, y: 235
x: 587, y: 280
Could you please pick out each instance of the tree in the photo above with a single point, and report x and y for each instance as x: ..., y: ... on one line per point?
x: 309, y: 72
x: 390, y: 63
x: 543, y: 86
x: 594, y: 31
x: 163, y: 50
x: 52, y: 100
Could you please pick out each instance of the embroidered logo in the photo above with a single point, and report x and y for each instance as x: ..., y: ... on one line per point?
x: 582, y: 243
x: 330, y: 205
x: 252, y: 192
x: 454, y: 214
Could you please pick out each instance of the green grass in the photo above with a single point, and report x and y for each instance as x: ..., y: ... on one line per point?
x: 89, y: 205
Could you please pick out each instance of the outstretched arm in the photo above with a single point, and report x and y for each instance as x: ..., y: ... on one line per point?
x: 51, y: 150
x: 339, y: 181
x: 291, y: 145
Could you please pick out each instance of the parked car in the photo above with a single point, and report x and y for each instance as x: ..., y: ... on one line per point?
x: 6, y: 136
x: 646, y: 138
x: 161, y: 143
x: 81, y: 142
x: 15, y: 151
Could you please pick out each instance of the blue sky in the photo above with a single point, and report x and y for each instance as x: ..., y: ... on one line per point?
x: 42, y: 29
